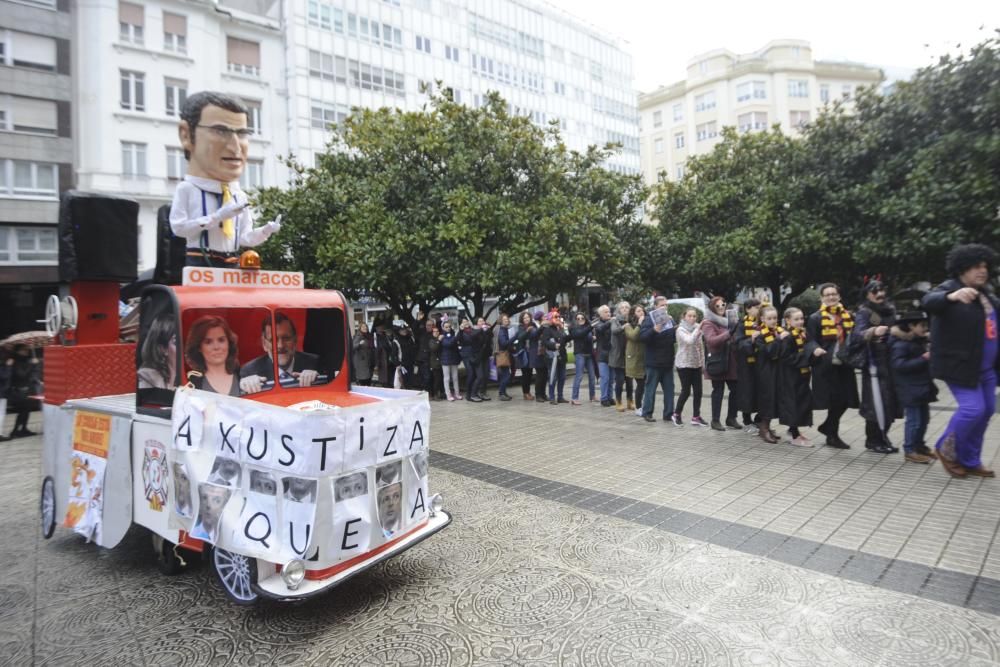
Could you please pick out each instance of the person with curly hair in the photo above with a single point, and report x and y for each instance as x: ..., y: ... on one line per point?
x: 963, y: 313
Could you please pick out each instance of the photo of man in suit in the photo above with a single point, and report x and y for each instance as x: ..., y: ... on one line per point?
x: 295, y: 368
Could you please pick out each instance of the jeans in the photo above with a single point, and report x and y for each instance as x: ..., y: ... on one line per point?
x: 581, y: 362
x: 503, y: 379
x: 557, y: 379
x: 605, y: 381
x: 619, y: 376
x: 915, y: 428
x: 663, y: 377
x: 451, y: 387
x: 718, y: 387
x: 962, y: 441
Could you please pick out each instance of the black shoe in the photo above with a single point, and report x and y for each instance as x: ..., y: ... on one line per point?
x: 23, y: 433
x: 607, y: 404
x: 504, y: 397
x: 562, y: 400
x: 649, y: 418
x: 541, y: 399
x: 717, y: 426
x: 733, y: 424
x: 4, y: 438
x: 880, y: 449
x: 484, y: 397
x: 473, y: 399
x: 822, y: 429
x: 836, y: 443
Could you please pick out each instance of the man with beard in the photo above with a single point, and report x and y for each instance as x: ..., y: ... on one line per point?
x: 879, y: 407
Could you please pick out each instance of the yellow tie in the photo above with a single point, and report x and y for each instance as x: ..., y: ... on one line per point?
x: 227, y: 224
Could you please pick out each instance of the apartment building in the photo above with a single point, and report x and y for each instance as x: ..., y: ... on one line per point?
x: 373, y: 53
x: 779, y: 84
x: 36, y: 152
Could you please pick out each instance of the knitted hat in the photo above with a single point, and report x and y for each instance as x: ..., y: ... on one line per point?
x: 537, y: 315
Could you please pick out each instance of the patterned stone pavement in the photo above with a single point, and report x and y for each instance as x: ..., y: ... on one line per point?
x: 581, y: 537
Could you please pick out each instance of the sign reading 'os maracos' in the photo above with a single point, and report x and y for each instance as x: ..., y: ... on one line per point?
x: 253, y: 478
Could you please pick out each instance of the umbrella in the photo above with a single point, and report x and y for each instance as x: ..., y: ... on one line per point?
x: 32, y: 339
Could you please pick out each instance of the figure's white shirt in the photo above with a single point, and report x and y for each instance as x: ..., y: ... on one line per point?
x: 188, y: 219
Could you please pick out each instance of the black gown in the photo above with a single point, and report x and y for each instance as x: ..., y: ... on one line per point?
x: 794, y: 394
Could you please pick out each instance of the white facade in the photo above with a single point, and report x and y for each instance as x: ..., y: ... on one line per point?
x: 780, y: 84
x: 313, y: 61
x: 131, y: 63
x: 543, y: 62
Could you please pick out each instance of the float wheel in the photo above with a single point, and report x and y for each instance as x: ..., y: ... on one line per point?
x: 48, y: 507
x: 237, y: 574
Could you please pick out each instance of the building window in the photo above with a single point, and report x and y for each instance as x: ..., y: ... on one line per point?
x: 323, y: 115
x: 678, y: 112
x: 20, y: 178
x: 706, y: 131
x: 253, y: 115
x: 253, y: 175
x: 680, y: 172
x: 28, y: 115
x: 29, y: 245
x: 705, y: 101
x: 423, y: 44
x: 679, y: 140
x: 131, y: 20
x: 798, y: 119
x: 176, y: 164
x: 133, y: 159
x: 798, y: 88
x: 658, y: 146
x: 755, y: 120
x: 751, y: 90
x: 133, y: 86
x: 175, y: 93
x: 556, y: 53
x: 824, y: 93
x: 657, y: 119
x: 19, y: 49
x: 451, y: 53
x: 174, y: 33
x: 243, y: 56
x: 845, y: 91
x: 559, y: 87
x: 326, y: 66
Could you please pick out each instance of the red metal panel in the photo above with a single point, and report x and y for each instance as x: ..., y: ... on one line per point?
x: 84, y: 371
x: 98, y: 312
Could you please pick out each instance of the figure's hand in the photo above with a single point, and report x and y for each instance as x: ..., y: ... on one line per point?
x: 819, y: 352
x: 964, y: 295
x: 657, y: 328
x: 274, y: 226
x: 251, y: 384
x: 230, y: 210
x: 754, y: 334
x: 306, y: 377
x: 926, y: 355
x: 881, y: 330
x: 783, y: 335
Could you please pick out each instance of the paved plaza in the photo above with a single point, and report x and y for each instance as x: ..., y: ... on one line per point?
x: 581, y: 536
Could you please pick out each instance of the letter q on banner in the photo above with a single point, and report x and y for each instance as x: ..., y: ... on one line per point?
x: 256, y: 529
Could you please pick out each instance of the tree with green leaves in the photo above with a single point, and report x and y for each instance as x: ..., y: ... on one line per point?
x: 414, y: 207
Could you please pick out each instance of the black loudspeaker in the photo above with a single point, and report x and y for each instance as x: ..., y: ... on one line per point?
x: 170, y: 251
x: 98, y: 237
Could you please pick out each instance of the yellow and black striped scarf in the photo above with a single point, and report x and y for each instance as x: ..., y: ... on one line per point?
x: 829, y: 317
x: 750, y: 325
x: 800, y: 342
x: 769, y: 334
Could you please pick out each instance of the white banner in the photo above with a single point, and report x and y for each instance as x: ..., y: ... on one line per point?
x: 277, y: 483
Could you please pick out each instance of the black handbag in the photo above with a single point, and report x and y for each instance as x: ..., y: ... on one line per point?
x: 717, y: 363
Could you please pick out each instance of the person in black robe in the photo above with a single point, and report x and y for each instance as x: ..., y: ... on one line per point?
x: 834, y: 382
x: 767, y: 350
x: 794, y: 394
x: 746, y: 380
x: 875, y: 318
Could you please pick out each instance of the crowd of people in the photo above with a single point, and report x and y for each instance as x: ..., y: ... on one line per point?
x: 777, y: 368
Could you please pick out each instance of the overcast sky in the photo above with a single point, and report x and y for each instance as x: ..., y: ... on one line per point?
x: 663, y: 35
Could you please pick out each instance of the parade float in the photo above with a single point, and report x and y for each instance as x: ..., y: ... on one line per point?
x: 287, y: 485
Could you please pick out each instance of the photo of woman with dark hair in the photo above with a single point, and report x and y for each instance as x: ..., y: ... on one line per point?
x: 211, y: 352
x: 159, y: 355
